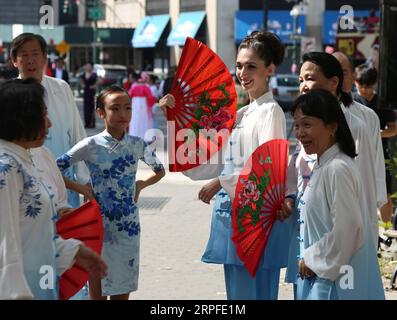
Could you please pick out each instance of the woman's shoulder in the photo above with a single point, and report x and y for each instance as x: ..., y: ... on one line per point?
x: 343, y: 165
x: 9, y: 165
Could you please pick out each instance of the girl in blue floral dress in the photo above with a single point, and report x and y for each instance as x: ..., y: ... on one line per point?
x: 112, y: 159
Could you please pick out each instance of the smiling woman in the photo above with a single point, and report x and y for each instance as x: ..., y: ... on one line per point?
x: 258, y: 122
x: 334, y: 223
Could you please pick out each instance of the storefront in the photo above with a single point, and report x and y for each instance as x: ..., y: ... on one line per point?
x: 149, y: 43
x: 189, y: 24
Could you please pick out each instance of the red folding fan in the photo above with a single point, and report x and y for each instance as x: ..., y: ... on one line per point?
x: 205, y: 107
x: 84, y: 224
x: 260, y: 192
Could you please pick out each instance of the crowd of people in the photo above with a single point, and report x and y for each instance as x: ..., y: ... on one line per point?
x: 326, y: 229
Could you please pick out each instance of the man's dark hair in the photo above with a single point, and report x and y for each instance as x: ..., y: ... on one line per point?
x: 20, y: 40
x: 330, y: 67
x: 22, y: 110
x: 366, y: 75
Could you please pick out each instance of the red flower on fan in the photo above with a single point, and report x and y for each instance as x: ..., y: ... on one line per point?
x: 214, y: 121
x: 249, y: 193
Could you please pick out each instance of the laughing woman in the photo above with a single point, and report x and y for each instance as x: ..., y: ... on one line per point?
x: 337, y: 256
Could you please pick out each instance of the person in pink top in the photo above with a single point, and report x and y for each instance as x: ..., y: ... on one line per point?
x: 142, y: 101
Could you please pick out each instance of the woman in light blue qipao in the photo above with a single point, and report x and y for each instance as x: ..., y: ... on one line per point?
x: 256, y: 123
x: 337, y: 256
x: 112, y: 158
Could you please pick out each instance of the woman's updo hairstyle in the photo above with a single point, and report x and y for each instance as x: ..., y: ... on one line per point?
x: 267, y: 46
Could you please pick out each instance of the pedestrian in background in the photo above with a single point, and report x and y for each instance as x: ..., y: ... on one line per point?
x: 166, y: 84
x: 142, y: 102
x: 89, y: 83
x: 59, y: 71
x: 112, y: 157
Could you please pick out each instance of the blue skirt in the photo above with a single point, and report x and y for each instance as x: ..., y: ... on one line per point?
x: 221, y: 250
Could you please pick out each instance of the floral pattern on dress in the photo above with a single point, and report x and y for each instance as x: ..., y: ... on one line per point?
x: 113, y: 165
x: 31, y: 199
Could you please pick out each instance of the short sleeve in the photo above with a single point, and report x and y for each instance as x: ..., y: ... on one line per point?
x: 150, y: 158
x: 77, y: 153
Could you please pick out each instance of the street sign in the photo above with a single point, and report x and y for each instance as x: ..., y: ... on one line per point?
x: 63, y: 47
x: 96, y: 13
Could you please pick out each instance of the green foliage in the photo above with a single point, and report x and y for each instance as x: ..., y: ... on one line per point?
x: 391, y: 164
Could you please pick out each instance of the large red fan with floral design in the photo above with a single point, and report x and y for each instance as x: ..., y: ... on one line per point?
x: 84, y: 224
x: 205, y: 107
x: 259, y: 193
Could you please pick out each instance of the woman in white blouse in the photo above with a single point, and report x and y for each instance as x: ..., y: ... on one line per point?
x: 256, y: 123
x: 337, y: 258
x: 31, y: 254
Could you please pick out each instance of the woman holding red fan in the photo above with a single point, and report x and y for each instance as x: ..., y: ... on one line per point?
x: 256, y: 123
x: 337, y: 257
x: 32, y: 255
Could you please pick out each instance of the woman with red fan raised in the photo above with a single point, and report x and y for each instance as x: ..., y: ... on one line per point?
x: 337, y: 257
x: 260, y: 121
x: 32, y: 255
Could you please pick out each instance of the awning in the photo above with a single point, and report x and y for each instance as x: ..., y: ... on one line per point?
x: 280, y: 22
x: 186, y: 26
x: 8, y: 31
x: 149, y: 31
x: 331, y: 20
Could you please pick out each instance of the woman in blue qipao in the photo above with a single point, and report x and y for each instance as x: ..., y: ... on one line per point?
x: 337, y: 256
x: 32, y: 256
x: 112, y: 158
x: 256, y: 123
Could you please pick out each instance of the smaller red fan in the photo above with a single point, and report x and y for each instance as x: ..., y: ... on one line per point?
x: 84, y: 224
x: 260, y: 191
x: 205, y: 107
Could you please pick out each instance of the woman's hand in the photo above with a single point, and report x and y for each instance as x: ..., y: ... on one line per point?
x: 286, y: 209
x: 209, y: 190
x: 87, y: 191
x: 305, y: 272
x: 91, y: 262
x: 139, y: 185
x: 64, y: 211
x: 168, y: 101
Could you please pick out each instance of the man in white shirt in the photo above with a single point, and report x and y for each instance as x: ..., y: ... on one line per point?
x: 29, y: 55
x: 60, y: 72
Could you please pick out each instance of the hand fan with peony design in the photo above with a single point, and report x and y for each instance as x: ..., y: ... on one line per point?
x: 260, y: 191
x: 205, y: 107
x: 84, y: 224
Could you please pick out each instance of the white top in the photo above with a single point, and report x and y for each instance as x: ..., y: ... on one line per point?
x: 67, y: 127
x: 58, y: 73
x: 371, y: 119
x: 49, y: 173
x: 260, y: 121
x: 331, y: 209
x: 27, y: 231
x: 365, y: 162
